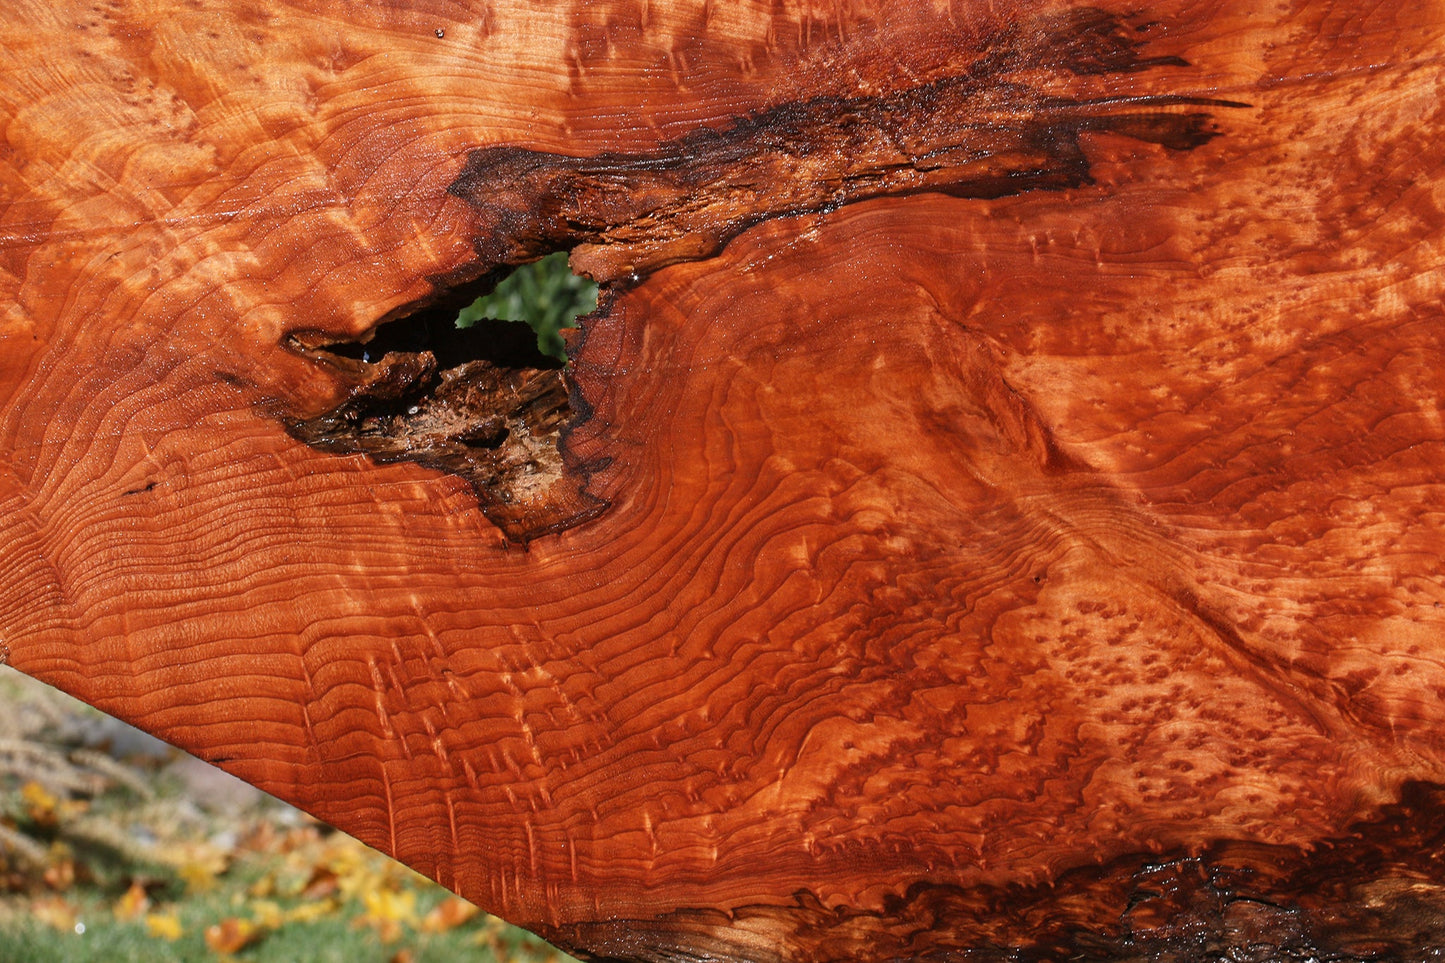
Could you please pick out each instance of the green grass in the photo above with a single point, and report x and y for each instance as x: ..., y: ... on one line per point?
x: 99, y: 937
x: 545, y: 294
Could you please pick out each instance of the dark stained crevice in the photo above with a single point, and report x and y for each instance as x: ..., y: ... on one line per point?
x: 991, y: 129
x: 1373, y: 893
x: 482, y: 403
x: 506, y: 344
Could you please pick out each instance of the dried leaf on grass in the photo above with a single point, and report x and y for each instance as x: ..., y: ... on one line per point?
x: 132, y: 904
x: 448, y: 915
x: 311, y: 912
x: 267, y: 914
x: 42, y: 807
x: 197, y: 863
x: 55, y: 911
x: 232, y: 935
x: 60, y: 875
x: 164, y: 926
x: 387, y: 911
x: 322, y: 883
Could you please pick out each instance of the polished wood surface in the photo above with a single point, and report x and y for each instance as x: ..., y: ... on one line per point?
x: 998, y: 504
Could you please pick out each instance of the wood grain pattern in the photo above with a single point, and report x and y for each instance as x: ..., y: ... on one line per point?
x: 1021, y: 545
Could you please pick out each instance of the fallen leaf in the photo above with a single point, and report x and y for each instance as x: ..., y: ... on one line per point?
x: 40, y: 804
x: 322, y: 883
x: 402, y: 956
x: 232, y: 935
x: 198, y: 863
x: 386, y: 911
x: 311, y: 912
x: 56, y: 912
x: 267, y: 914
x: 448, y: 914
x: 60, y: 875
x: 263, y: 838
x: 132, y: 904
x: 164, y: 926
x: 391, y: 904
x: 299, y: 838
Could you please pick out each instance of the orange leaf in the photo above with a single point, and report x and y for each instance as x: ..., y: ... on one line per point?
x: 402, y: 956
x: 448, y: 914
x: 263, y: 838
x: 132, y: 904
x: 323, y: 883
x: 60, y: 875
x: 232, y: 935
x: 55, y: 912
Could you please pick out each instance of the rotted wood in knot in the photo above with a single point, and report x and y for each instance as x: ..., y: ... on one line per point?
x: 498, y: 427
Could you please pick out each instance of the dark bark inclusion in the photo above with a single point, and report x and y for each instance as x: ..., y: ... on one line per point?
x: 483, y: 404
x: 1369, y: 895
x: 986, y: 132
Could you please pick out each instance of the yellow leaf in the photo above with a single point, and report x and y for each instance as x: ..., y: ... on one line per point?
x: 40, y: 804
x: 311, y: 912
x: 164, y: 926
x: 267, y: 914
x: 198, y: 864
x: 385, y: 904
x: 199, y: 877
x: 133, y: 903
x: 386, y: 910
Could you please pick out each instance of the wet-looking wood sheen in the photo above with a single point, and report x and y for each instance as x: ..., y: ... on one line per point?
x: 994, y: 513
x: 987, y: 130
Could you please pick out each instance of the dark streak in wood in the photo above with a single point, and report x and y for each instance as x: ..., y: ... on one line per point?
x: 984, y: 132
x: 1374, y: 893
x: 980, y: 133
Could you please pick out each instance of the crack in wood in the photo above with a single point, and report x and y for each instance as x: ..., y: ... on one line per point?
x: 1371, y: 893
x: 988, y: 131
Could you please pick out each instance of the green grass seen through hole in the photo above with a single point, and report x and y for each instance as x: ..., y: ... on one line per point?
x: 544, y: 294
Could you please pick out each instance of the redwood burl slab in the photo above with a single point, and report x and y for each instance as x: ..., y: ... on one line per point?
x: 995, y: 512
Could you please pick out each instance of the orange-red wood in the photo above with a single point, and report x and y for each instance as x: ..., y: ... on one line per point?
x: 1036, y: 548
